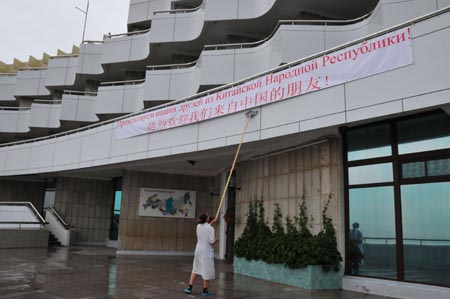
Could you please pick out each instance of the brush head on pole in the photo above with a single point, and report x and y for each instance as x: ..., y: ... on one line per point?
x: 252, y: 113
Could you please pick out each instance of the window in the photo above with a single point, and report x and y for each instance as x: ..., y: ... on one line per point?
x: 431, y: 132
x: 426, y: 233
x: 369, y: 142
x: 367, y: 207
x: 402, y: 219
x: 377, y: 173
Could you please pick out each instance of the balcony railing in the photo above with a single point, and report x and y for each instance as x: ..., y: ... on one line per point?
x: 64, y: 56
x: 92, y: 42
x: 2, y: 108
x: 32, y: 68
x: 230, y: 85
x: 171, y: 66
x: 50, y: 102
x: 80, y: 93
x: 41, y: 222
x: 110, y: 36
x: 178, y: 11
x: 120, y: 83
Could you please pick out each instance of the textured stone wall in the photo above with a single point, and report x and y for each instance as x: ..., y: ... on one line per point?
x: 286, y: 178
x: 33, y: 192
x: 87, y: 205
x: 142, y: 233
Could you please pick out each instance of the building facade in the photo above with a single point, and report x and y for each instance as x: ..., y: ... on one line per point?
x: 352, y: 104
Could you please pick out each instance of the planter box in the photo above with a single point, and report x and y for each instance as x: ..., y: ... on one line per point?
x: 311, y: 277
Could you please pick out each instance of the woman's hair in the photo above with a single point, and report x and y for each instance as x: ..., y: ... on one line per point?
x: 202, y: 218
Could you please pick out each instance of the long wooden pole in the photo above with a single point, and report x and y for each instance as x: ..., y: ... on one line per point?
x: 249, y: 116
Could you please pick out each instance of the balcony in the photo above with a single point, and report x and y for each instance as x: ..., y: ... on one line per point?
x: 90, y: 57
x: 120, y: 97
x: 7, y: 86
x: 223, y: 63
x: 61, y: 70
x: 130, y: 46
x: 31, y: 82
x: 177, y: 25
x: 45, y: 114
x: 142, y: 10
x: 170, y: 82
x: 14, y: 119
x: 78, y: 106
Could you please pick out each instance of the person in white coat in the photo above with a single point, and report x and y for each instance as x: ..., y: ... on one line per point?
x: 204, y: 254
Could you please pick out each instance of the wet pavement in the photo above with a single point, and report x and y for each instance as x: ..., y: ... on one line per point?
x: 96, y: 272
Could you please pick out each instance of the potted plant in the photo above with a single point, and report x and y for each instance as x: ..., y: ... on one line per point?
x: 292, y: 256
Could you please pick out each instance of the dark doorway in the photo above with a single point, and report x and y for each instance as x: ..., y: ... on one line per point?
x: 50, y: 195
x: 229, y: 218
x: 115, y: 219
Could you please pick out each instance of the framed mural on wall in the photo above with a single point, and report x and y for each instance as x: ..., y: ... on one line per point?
x: 167, y: 203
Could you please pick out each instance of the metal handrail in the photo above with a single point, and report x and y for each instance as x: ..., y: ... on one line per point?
x: 3, y: 108
x: 421, y: 241
x: 175, y: 11
x: 279, y: 68
x: 52, y: 102
x: 172, y: 66
x: 31, y: 68
x: 64, y: 56
x: 24, y: 203
x: 119, y: 83
x: 53, y: 210
x: 125, y: 34
x: 92, y: 42
x: 81, y: 93
x: 8, y: 74
x: 287, y: 22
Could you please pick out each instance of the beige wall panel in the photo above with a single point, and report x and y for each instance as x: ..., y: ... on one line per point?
x: 315, y: 158
x: 307, y: 158
x: 265, y: 167
x: 162, y: 234
x: 87, y: 206
x: 179, y: 239
x: 292, y: 186
x: 123, y: 225
x: 33, y: 192
x: 272, y: 188
x: 293, y: 208
x: 292, y: 161
x: 300, y: 160
x: 272, y: 165
x: 158, y: 235
x: 269, y: 207
x: 310, y: 172
x: 300, y: 185
x: 259, y: 188
x: 307, y: 183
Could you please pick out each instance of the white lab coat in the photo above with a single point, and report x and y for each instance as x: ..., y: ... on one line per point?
x: 204, y: 252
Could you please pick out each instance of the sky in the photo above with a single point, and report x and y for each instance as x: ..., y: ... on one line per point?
x: 31, y: 27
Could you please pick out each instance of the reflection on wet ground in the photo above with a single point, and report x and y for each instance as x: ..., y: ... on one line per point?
x: 96, y: 272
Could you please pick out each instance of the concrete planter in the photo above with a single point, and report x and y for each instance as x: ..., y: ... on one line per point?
x: 310, y: 278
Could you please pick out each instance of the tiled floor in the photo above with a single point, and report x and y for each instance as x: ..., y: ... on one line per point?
x: 96, y: 272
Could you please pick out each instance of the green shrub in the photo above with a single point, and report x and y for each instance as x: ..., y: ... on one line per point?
x: 296, y: 247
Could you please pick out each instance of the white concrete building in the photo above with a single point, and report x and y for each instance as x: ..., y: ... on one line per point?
x: 353, y: 102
